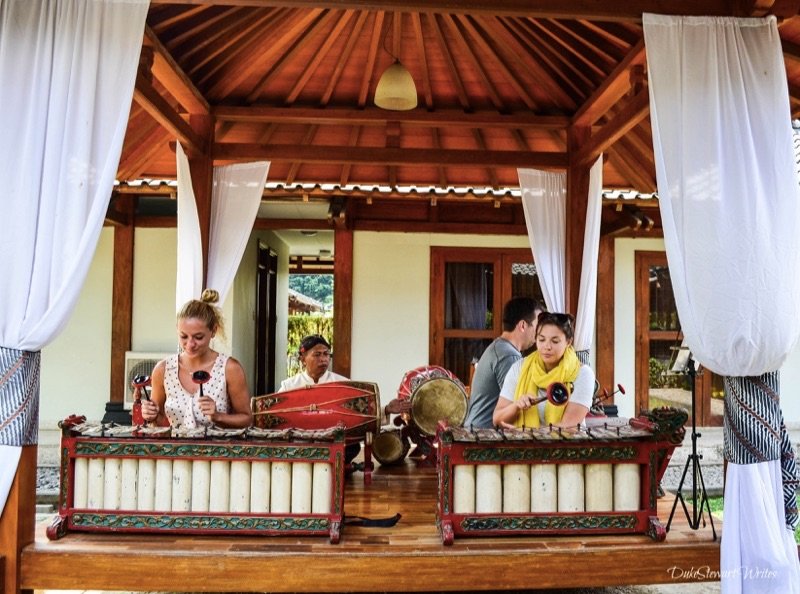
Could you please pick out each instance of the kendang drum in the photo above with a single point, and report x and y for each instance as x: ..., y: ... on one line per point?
x: 436, y: 394
x: 356, y: 405
x: 390, y: 447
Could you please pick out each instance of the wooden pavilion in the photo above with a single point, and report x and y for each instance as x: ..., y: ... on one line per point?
x: 501, y: 85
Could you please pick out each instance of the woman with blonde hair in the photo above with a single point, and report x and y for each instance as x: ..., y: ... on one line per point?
x: 176, y: 396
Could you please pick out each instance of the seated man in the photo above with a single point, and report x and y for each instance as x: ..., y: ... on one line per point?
x: 519, y: 334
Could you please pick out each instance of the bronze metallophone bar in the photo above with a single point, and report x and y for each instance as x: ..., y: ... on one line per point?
x: 601, y: 480
x: 287, y: 482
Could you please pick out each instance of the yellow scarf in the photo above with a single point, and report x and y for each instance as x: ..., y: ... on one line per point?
x: 533, y: 377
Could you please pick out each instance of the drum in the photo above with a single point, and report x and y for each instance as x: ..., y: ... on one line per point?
x: 436, y: 394
x: 390, y: 447
x: 356, y: 405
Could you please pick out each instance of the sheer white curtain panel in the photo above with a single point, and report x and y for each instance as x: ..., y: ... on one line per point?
x: 67, y: 71
x: 544, y: 201
x: 189, y: 274
x: 730, y: 206
x: 235, y: 199
x: 587, y: 298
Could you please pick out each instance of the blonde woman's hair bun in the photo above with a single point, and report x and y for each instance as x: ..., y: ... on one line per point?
x: 209, y: 296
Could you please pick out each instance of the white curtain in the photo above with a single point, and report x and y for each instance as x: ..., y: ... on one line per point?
x: 235, y: 199
x: 730, y: 206
x: 544, y: 201
x: 67, y: 71
x: 587, y: 298
x: 189, y: 275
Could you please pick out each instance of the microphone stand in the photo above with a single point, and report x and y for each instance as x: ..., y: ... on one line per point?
x: 693, y: 460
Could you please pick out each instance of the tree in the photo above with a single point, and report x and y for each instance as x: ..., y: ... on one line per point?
x: 316, y: 286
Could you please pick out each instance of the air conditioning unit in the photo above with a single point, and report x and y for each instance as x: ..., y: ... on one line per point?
x: 139, y: 364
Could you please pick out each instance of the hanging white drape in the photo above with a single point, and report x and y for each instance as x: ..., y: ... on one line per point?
x: 189, y: 274
x: 587, y: 298
x: 236, y: 194
x: 235, y: 198
x: 730, y: 206
x: 544, y: 201
x: 67, y: 71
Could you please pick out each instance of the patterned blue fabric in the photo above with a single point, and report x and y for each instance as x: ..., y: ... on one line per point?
x: 19, y: 396
x: 754, y: 431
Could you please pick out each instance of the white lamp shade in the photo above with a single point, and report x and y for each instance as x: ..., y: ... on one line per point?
x: 396, y: 90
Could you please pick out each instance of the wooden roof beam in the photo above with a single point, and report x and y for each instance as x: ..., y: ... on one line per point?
x: 386, y: 156
x: 574, y: 9
x: 167, y: 71
x: 372, y: 116
x: 615, y: 87
x: 159, y: 108
x: 634, y: 111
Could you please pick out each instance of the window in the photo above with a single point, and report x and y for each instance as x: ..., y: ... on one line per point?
x: 469, y: 287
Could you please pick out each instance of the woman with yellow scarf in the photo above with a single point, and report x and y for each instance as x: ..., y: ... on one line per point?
x: 554, y: 361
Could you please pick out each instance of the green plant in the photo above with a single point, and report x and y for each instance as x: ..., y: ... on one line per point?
x: 660, y: 378
x: 300, y: 326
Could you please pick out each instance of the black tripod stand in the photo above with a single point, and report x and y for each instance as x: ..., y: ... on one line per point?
x: 698, y: 485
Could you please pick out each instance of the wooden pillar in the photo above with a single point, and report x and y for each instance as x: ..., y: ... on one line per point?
x: 18, y: 519
x: 604, y: 336
x: 122, y: 296
x: 342, y: 299
x: 577, y: 193
x: 202, y: 169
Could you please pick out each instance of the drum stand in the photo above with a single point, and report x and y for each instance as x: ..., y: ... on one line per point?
x: 698, y: 484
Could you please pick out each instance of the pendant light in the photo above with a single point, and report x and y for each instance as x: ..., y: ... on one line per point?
x: 396, y: 90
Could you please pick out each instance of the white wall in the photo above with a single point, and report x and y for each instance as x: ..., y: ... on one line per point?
x: 625, y: 335
x: 76, y: 374
x: 391, y: 294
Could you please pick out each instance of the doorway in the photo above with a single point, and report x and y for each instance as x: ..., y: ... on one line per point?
x: 266, y: 319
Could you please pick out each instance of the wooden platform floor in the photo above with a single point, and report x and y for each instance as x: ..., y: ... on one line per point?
x: 405, y: 558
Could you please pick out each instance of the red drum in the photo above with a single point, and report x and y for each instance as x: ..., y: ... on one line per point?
x: 356, y: 405
x: 436, y: 394
x: 390, y: 447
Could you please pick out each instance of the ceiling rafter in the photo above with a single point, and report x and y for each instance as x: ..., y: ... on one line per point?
x: 307, y: 139
x: 512, y: 76
x: 427, y: 93
x: 167, y: 71
x: 624, y: 161
x: 378, y: 117
x: 202, y: 41
x: 578, y: 84
x: 481, y: 142
x: 169, y: 18
x: 210, y: 69
x: 644, y: 166
x: 146, y: 95
x: 343, y: 59
x: 302, y: 39
x: 344, y: 177
x: 576, y: 9
x: 386, y: 155
x: 369, y: 67
x: 616, y: 86
x: 137, y: 161
x: 569, y: 56
x: 210, y: 23
x: 468, y: 51
x: 633, y: 111
x: 590, y: 39
x: 437, y: 144
x: 513, y: 47
x: 319, y: 55
x: 451, y: 64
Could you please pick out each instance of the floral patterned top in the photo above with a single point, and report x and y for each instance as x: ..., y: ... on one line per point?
x: 182, y: 407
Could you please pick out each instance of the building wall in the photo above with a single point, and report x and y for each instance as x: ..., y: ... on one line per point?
x: 391, y: 295
x: 624, y: 333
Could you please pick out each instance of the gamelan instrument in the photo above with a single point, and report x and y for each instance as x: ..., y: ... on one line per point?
x: 356, y: 405
x: 390, y: 446
x: 436, y: 394
x: 200, y: 481
x: 601, y: 479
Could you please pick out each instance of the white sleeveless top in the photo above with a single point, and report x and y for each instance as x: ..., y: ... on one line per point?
x: 182, y: 407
